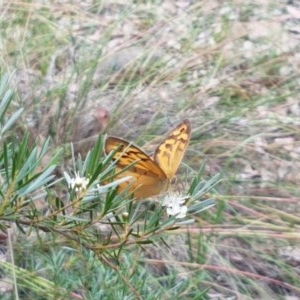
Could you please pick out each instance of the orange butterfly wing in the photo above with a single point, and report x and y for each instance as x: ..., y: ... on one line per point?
x: 170, y: 152
x: 148, y: 178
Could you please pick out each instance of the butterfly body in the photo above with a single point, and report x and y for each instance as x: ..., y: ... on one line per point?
x: 150, y: 177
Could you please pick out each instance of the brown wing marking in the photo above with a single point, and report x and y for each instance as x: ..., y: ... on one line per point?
x: 170, y: 152
x: 149, y: 178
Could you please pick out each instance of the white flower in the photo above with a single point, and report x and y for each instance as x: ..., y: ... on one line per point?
x: 78, y: 184
x: 175, y: 205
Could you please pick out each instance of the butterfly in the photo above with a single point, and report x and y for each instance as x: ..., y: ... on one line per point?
x: 150, y: 176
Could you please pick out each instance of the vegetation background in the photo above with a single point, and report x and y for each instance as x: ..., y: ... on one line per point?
x: 135, y: 69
